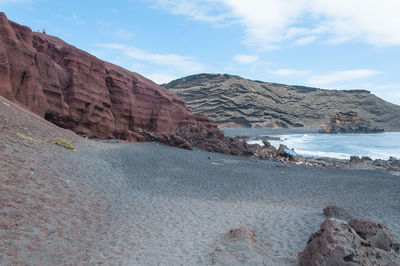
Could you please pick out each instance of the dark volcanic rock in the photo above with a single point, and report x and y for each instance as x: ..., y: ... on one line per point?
x: 379, y: 235
x: 337, y: 243
x: 355, y: 159
x: 235, y: 101
x: 366, y: 159
x: 380, y: 163
x: 242, y: 233
x: 337, y: 212
x: 78, y: 91
x: 215, y: 141
x: 393, y: 162
x: 349, y: 122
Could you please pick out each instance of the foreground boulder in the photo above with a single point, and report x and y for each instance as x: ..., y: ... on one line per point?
x: 78, y: 91
x: 338, y: 243
x: 349, y: 122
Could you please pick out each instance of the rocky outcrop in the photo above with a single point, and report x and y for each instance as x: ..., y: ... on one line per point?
x: 233, y: 101
x: 216, y: 141
x: 337, y: 212
x: 78, y: 91
x: 349, y: 122
x: 338, y: 243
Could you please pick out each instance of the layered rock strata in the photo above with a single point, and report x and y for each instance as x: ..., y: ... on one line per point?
x: 233, y: 101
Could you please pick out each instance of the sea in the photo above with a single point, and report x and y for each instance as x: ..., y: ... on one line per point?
x: 341, y: 146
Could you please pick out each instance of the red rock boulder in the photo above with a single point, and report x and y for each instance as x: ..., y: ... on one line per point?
x: 338, y: 243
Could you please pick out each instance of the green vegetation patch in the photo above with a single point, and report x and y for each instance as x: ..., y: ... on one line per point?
x: 63, y: 143
x: 22, y: 136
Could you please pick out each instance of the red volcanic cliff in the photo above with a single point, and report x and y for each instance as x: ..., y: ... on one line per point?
x: 78, y: 91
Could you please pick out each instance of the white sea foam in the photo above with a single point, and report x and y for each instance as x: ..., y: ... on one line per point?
x: 342, y: 146
x: 320, y: 154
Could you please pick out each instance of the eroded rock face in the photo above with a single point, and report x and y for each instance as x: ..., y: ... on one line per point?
x: 349, y: 122
x: 78, y: 91
x: 337, y: 243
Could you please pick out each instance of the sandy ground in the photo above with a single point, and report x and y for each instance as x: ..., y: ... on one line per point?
x: 149, y: 204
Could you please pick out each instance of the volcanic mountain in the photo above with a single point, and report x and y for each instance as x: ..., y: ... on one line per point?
x: 233, y: 101
x: 78, y: 91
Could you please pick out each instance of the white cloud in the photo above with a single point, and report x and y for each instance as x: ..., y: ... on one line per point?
x: 123, y: 34
x: 113, y: 46
x: 322, y: 80
x: 271, y: 23
x: 74, y: 18
x: 161, y: 78
x: 245, y: 59
x: 305, y: 40
x: 373, y: 21
x: 201, y: 10
x: 184, y: 64
x: 289, y: 72
x: 3, y: 2
x: 266, y: 22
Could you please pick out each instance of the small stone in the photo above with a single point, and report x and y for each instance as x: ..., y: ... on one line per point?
x: 337, y: 212
x: 355, y: 159
x: 380, y: 163
x: 366, y: 158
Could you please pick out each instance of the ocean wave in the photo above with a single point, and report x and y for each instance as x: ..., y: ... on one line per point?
x: 341, y: 146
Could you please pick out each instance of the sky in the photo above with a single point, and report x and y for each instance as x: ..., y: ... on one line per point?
x: 341, y: 44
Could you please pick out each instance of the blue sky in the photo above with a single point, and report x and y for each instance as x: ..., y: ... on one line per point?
x: 341, y: 44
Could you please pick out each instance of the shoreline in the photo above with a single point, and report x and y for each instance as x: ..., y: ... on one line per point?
x: 314, y: 156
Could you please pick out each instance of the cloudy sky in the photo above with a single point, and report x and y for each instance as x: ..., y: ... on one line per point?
x: 341, y: 44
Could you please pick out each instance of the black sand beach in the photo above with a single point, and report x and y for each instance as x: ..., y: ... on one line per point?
x: 194, y: 200
x: 151, y: 204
